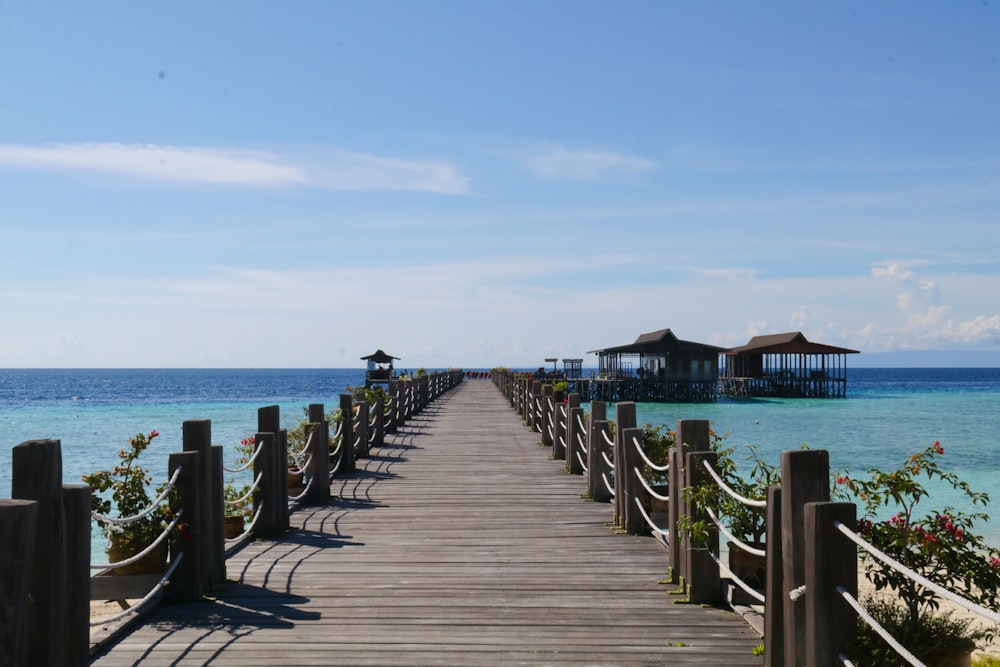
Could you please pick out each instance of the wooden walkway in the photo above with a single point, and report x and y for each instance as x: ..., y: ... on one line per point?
x: 459, y: 543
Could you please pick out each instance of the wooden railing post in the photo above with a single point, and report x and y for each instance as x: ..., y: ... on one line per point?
x: 805, y: 478
x: 393, y: 417
x: 217, y: 502
x: 675, y: 508
x: 197, y: 437
x: 690, y: 435
x: 574, y: 435
x: 362, y: 435
x: 547, y: 418
x: 269, y: 421
x: 559, y: 413
x: 702, y: 571
x: 774, y: 606
x: 378, y: 416
x: 831, y: 561
x: 347, y: 464
x: 186, y: 582
x: 18, y: 526
x: 76, y: 509
x: 624, y: 420
x: 635, y: 523
x: 319, y: 465
x: 269, y: 494
x: 37, y: 475
x: 597, y: 429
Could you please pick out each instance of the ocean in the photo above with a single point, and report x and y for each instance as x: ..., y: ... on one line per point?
x: 887, y: 415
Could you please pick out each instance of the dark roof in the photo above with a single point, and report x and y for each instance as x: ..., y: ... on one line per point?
x: 655, y: 342
x: 380, y: 357
x: 786, y: 343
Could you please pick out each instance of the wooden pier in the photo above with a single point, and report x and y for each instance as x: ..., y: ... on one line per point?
x: 460, y: 542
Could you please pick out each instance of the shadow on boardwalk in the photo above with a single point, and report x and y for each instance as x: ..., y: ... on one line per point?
x: 459, y: 543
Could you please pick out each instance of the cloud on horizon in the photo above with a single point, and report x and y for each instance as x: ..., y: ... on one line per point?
x: 201, y: 165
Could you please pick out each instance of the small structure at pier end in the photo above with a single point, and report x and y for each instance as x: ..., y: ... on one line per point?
x: 657, y: 367
x: 784, y: 365
x: 380, y: 369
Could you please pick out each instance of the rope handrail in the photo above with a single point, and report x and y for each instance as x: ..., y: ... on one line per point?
x: 248, y: 494
x: 246, y: 466
x: 722, y: 485
x: 608, y: 485
x: 372, y: 420
x: 649, y: 521
x: 249, y: 529
x: 583, y: 466
x: 123, y: 521
x: 732, y: 538
x: 145, y: 552
x: 338, y: 431
x: 138, y: 606
x: 608, y: 462
x: 915, y: 576
x: 645, y: 485
x: 882, y: 632
x: 645, y: 459
x: 604, y: 434
x: 309, y: 485
x: 336, y: 450
x: 579, y: 421
x: 372, y: 437
x: 299, y: 453
x: 756, y: 595
x: 304, y: 468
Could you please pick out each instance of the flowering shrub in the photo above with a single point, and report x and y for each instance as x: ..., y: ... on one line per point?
x: 129, y: 484
x: 940, y: 544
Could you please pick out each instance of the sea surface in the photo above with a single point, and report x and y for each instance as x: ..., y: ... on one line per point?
x: 888, y: 414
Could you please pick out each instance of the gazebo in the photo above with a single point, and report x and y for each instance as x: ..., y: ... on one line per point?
x: 658, y: 366
x: 374, y: 372
x: 785, y: 365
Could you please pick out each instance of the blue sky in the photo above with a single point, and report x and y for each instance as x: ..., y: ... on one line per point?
x: 263, y: 184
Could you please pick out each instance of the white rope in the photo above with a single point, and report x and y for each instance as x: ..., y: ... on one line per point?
x: 796, y: 593
x: 844, y: 660
x: 579, y: 421
x: 722, y: 485
x: 645, y: 459
x: 725, y: 531
x: 123, y: 521
x: 138, y: 606
x: 249, y: 529
x: 649, y: 521
x: 608, y: 462
x: 336, y: 450
x: 338, y: 431
x: 648, y: 488
x: 246, y: 466
x: 604, y: 434
x: 607, y: 484
x: 583, y: 465
x: 739, y: 582
x: 295, y: 499
x: 873, y: 624
x: 305, y: 466
x: 917, y: 577
x: 246, y: 496
x: 145, y: 552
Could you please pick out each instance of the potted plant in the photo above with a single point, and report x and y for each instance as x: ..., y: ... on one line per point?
x: 237, y: 508
x: 130, y: 486
x: 939, y: 544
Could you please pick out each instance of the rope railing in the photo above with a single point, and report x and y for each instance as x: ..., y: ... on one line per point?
x: 645, y: 484
x: 607, y: 483
x: 304, y: 467
x: 722, y: 485
x: 874, y: 625
x: 583, y: 466
x: 608, y: 462
x: 732, y: 538
x: 123, y: 521
x: 646, y: 460
x: 749, y: 590
x: 607, y: 440
x: 141, y: 604
x: 249, y: 494
x: 145, y: 552
x: 249, y: 529
x: 917, y: 577
x: 309, y: 485
x: 249, y: 462
x: 649, y: 521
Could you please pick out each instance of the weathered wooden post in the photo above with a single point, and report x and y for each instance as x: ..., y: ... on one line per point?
x: 546, y: 407
x: 217, y: 538
x: 269, y: 494
x: 675, y: 508
x: 574, y: 435
x: 186, y: 582
x: 269, y: 421
x: 597, y: 469
x: 393, y: 413
x: 690, y: 435
x: 703, y: 583
x: 364, y: 445
x: 624, y: 420
x: 559, y: 414
x: 319, y: 464
x: 805, y: 478
x: 18, y: 523
x: 635, y: 491
x: 76, y: 509
x: 831, y: 561
x: 774, y: 605
x: 197, y: 437
x: 347, y: 465
x: 378, y: 416
x: 534, y: 406
x: 37, y: 475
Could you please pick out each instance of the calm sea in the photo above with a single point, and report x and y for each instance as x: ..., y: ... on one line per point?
x: 889, y: 414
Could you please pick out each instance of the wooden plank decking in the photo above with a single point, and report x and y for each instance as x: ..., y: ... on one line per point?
x: 459, y: 543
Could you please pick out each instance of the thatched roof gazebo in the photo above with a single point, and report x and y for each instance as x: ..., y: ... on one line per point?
x: 785, y: 365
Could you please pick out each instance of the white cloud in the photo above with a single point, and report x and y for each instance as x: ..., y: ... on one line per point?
x: 560, y: 163
x: 339, y: 170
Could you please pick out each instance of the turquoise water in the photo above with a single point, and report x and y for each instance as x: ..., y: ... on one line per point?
x: 889, y: 414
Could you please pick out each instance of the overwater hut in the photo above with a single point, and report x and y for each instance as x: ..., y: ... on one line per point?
x: 784, y: 365
x: 658, y: 366
x: 380, y: 369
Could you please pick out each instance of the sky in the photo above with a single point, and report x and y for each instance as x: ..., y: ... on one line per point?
x: 473, y: 184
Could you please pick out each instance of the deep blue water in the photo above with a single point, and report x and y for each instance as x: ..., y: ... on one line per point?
x: 888, y: 414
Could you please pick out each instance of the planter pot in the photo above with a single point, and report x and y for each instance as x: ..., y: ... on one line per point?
x: 751, y: 568
x: 657, y: 505
x: 153, y: 563
x: 294, y: 479
x: 957, y: 657
x: 233, y: 526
